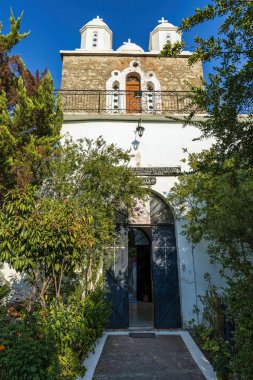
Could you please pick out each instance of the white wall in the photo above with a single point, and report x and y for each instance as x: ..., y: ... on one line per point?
x: 160, y: 36
x: 193, y: 263
x: 19, y: 288
x: 161, y: 144
x: 104, y: 41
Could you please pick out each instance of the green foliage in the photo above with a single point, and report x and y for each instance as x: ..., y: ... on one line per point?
x: 28, y: 137
x: 239, y: 299
x: 172, y: 50
x: 49, y: 237
x: 75, y: 328
x: 210, y: 334
x: 52, y: 343
x: 62, y: 228
x: 230, y: 353
x: 8, y: 41
x: 217, y: 350
x: 12, y: 67
x: 30, y: 117
x: 227, y: 90
x: 216, y: 199
x: 25, y: 355
x: 215, y: 196
x: 218, y: 206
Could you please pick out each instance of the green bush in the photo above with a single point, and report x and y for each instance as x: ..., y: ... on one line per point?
x: 210, y: 334
x: 239, y: 299
x: 216, y: 349
x: 26, y: 354
x: 230, y: 354
x: 51, y: 343
x: 74, y: 328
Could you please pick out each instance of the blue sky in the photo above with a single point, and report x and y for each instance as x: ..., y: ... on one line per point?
x: 55, y: 24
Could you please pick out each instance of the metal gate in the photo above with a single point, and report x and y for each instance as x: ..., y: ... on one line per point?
x: 117, y: 283
x: 165, y: 278
x: 164, y: 271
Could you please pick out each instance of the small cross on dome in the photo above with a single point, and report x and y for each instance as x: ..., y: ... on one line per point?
x: 128, y: 42
x: 100, y: 19
x: 162, y: 21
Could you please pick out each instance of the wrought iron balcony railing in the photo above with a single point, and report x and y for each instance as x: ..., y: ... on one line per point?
x: 117, y: 101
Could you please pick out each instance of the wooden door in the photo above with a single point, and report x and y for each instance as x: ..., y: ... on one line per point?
x: 133, y: 95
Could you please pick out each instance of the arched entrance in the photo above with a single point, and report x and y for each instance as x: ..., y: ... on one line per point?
x: 149, y: 236
x: 133, y: 93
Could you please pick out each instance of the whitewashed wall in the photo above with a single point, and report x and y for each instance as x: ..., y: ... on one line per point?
x: 161, y: 145
x: 104, y: 40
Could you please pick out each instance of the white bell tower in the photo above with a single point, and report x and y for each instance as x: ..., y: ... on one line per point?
x: 163, y: 33
x: 96, y: 36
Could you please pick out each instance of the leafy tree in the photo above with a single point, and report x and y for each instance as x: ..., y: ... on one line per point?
x: 215, y: 195
x: 12, y: 67
x: 226, y: 94
x: 65, y: 226
x: 30, y: 117
x: 29, y: 135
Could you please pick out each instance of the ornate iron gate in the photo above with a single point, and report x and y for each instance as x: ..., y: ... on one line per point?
x: 117, y: 283
x: 165, y: 278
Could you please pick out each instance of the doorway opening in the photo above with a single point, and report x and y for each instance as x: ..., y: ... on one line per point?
x: 140, y: 288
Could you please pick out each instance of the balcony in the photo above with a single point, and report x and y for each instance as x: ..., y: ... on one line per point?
x: 126, y: 102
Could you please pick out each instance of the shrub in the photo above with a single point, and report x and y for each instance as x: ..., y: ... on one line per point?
x: 26, y: 354
x: 75, y: 328
x: 239, y: 299
x: 51, y: 343
x: 226, y: 334
x: 211, y: 334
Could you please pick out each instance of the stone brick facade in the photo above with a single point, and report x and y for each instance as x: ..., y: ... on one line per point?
x: 90, y: 72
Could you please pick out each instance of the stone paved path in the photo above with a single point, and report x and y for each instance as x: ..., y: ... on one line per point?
x: 163, y: 357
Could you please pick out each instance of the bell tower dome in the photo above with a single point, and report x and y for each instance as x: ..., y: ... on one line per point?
x: 164, y: 32
x: 96, y: 36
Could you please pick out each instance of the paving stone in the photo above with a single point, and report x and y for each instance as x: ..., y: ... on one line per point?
x: 164, y: 358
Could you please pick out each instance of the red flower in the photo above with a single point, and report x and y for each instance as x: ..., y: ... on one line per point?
x: 13, y: 312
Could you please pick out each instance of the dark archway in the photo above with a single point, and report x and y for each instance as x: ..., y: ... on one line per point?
x: 153, y: 221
